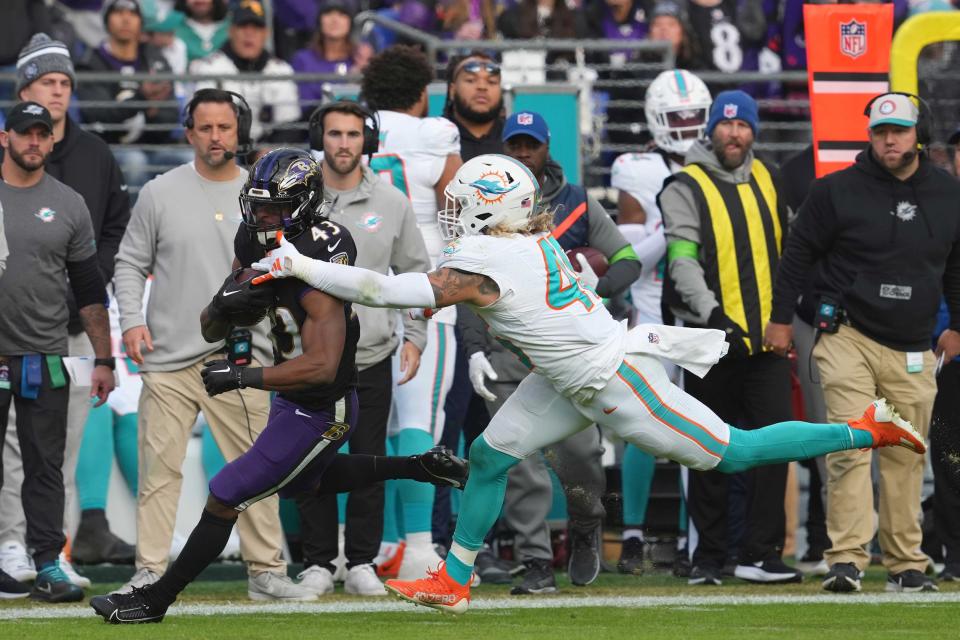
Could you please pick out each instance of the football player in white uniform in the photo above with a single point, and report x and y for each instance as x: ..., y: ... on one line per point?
x: 586, y: 367
x: 419, y: 155
x: 676, y: 105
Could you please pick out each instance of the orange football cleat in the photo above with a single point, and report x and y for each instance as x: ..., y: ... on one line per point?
x: 390, y: 567
x: 888, y: 428
x: 437, y: 591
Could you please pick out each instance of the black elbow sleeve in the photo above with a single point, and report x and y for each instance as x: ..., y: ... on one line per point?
x: 618, y: 277
x: 86, y: 282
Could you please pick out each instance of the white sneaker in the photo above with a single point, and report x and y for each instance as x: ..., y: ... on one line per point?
x: 141, y: 578
x: 277, y: 586
x: 362, y: 580
x: 16, y: 562
x: 317, y: 579
x: 416, y: 561
x: 78, y: 580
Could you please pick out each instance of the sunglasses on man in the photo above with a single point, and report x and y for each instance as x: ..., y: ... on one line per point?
x: 475, y: 66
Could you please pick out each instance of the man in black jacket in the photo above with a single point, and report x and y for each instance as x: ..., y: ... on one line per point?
x: 475, y: 103
x: 887, y: 237
x: 122, y: 52
x: 83, y: 162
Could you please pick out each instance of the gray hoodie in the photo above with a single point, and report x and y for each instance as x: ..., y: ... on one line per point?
x: 681, y: 221
x: 4, y: 252
x: 384, y: 228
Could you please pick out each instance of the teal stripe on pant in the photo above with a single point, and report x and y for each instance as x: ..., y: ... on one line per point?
x: 416, y: 498
x: 104, y: 435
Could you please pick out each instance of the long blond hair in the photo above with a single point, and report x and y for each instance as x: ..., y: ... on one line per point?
x: 539, y: 223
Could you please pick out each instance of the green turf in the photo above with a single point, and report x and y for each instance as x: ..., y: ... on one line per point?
x: 842, y: 619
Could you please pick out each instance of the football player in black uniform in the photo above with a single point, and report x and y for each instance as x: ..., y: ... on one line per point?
x: 314, y: 337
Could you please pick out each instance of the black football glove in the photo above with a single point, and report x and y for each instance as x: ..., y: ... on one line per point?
x: 734, y: 334
x: 220, y: 376
x: 239, y: 298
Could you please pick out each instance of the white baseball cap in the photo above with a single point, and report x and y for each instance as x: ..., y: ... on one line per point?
x: 893, y: 108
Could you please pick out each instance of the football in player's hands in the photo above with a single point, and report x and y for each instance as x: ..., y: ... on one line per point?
x: 598, y: 261
x: 242, y: 304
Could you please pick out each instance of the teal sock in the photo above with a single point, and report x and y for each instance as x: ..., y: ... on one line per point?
x: 482, y: 501
x: 415, y: 497
x: 342, y: 497
x: 93, y: 466
x: 786, y: 442
x: 390, y: 531
x: 210, y: 456
x: 638, y: 467
x: 125, y: 446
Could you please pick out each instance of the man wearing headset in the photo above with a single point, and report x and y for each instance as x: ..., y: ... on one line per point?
x: 887, y: 238
x: 381, y: 220
x: 193, y: 205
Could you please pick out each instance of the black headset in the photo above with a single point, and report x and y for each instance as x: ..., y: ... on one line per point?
x: 924, y: 115
x: 371, y: 124
x: 243, y: 111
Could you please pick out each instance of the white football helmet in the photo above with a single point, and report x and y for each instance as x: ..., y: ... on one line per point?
x: 677, y: 104
x: 488, y: 191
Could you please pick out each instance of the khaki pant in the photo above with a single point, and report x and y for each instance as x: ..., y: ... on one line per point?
x: 169, y: 404
x: 855, y: 370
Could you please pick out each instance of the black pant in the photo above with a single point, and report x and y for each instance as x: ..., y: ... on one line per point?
x: 42, y: 433
x: 364, y: 518
x: 748, y: 393
x: 944, y: 453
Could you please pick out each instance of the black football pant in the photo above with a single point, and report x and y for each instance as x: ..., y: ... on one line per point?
x: 945, y: 459
x: 364, y: 517
x: 42, y: 433
x: 747, y: 393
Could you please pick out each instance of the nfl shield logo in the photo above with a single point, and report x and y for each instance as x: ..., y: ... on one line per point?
x: 653, y: 338
x: 853, y: 39
x: 525, y: 119
x: 729, y: 111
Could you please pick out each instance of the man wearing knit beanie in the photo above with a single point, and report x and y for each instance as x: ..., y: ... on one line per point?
x: 724, y: 219
x: 84, y: 163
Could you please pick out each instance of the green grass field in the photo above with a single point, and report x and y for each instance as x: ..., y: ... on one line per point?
x: 651, y: 606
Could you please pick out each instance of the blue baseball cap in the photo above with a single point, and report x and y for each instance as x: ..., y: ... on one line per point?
x: 733, y: 105
x: 527, y: 123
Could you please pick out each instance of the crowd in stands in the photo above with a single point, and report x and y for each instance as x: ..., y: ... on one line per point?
x: 45, y: 43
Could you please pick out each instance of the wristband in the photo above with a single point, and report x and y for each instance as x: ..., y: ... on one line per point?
x: 251, y: 377
x: 110, y: 363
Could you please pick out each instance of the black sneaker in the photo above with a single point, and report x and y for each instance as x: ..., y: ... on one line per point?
x: 444, y: 468
x: 537, y: 579
x: 11, y: 589
x: 53, y: 585
x: 96, y: 544
x: 910, y: 581
x: 772, y: 571
x: 494, y: 570
x: 843, y: 577
x: 631, y: 557
x: 705, y: 575
x: 950, y: 573
x: 128, y: 608
x: 584, y: 565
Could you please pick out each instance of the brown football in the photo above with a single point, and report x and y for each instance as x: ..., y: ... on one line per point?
x: 598, y: 261
x: 246, y: 274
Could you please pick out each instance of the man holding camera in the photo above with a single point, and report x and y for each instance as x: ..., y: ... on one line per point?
x: 886, y: 235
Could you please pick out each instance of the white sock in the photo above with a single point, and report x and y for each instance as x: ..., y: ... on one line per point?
x: 420, y: 540
x: 464, y: 555
x: 633, y: 533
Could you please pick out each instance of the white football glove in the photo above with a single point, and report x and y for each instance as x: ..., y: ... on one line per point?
x: 279, y: 263
x: 481, y: 368
x: 587, y: 275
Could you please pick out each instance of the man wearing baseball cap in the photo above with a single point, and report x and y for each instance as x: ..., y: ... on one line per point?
x: 724, y: 219
x: 83, y: 162
x: 50, y: 233
x: 581, y: 221
x: 885, y: 236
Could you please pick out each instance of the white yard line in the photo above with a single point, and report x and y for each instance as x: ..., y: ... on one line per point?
x: 546, y: 602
